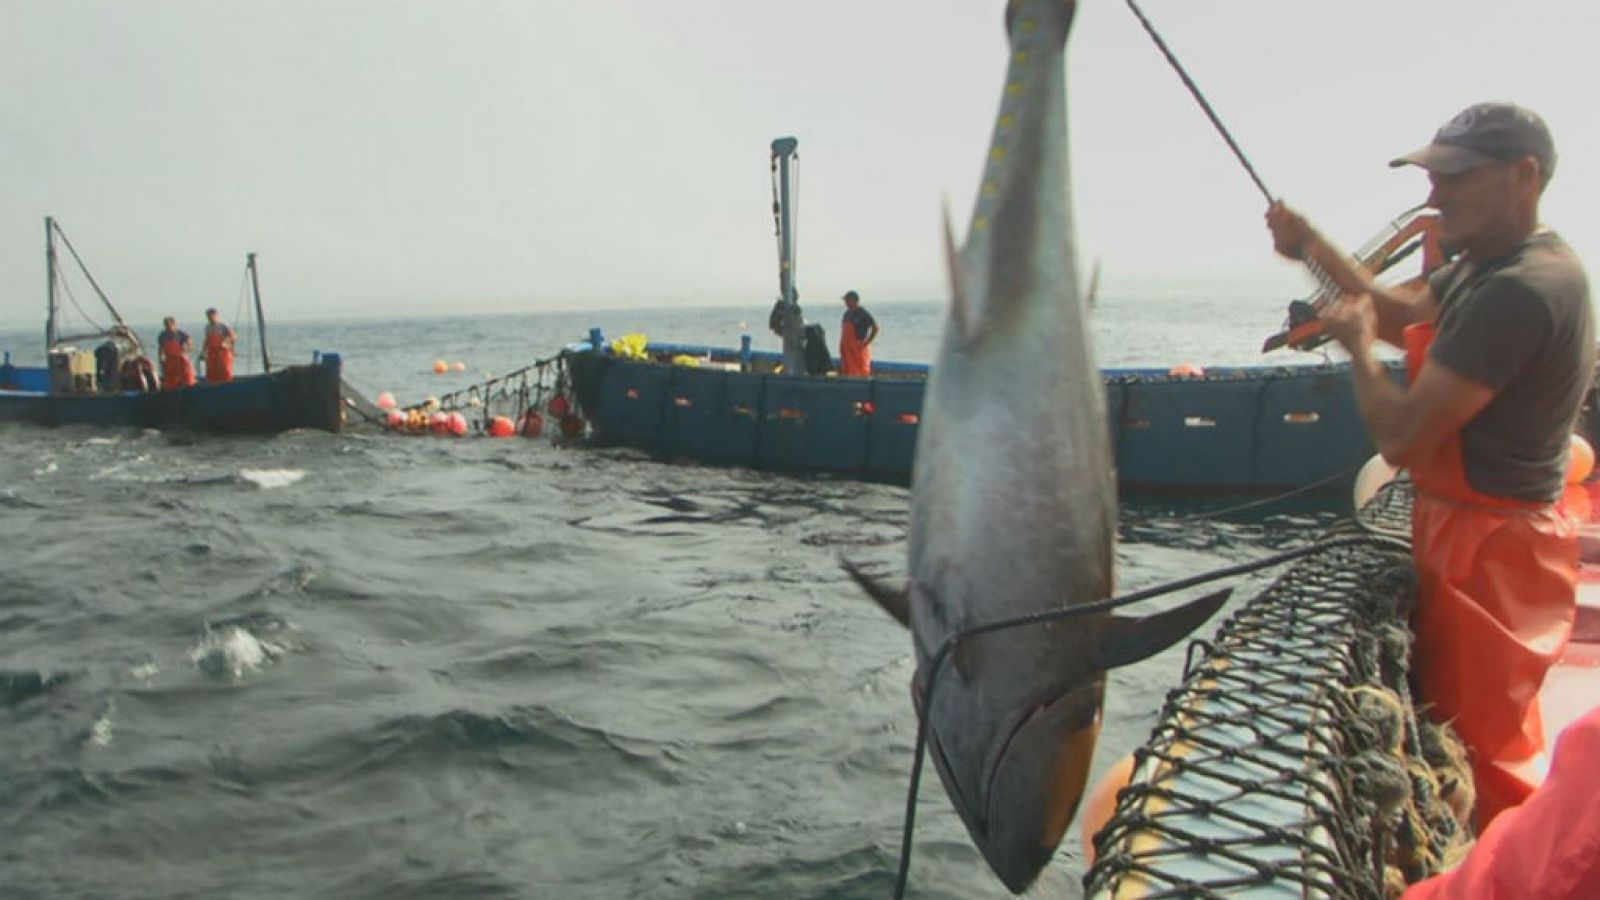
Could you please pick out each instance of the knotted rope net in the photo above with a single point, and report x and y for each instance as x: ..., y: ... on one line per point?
x: 1291, y: 761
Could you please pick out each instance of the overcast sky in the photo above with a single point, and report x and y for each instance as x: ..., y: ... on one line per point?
x: 408, y: 157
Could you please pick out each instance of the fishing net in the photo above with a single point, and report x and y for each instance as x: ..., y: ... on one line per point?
x: 1291, y: 760
x: 524, y: 396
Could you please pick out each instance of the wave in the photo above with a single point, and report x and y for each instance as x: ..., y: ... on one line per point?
x: 233, y: 652
x: 268, y: 479
x: 17, y: 688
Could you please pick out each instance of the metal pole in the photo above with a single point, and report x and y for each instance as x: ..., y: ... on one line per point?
x: 794, y: 360
x: 50, y: 283
x: 1205, y: 107
x: 261, y: 321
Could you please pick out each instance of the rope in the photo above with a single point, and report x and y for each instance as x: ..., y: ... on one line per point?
x: 243, y: 312
x: 73, y: 299
x: 89, y: 275
x: 1275, y: 498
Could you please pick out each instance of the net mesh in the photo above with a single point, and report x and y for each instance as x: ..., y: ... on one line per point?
x: 1290, y: 761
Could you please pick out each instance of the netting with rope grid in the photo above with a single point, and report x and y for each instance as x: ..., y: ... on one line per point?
x: 1291, y: 757
x: 512, y: 394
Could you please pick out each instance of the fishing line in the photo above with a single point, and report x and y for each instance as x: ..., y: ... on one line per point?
x: 1195, y: 90
x: 1275, y: 498
x: 1072, y: 612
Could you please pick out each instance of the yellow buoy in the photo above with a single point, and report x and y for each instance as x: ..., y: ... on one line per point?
x: 1101, y: 803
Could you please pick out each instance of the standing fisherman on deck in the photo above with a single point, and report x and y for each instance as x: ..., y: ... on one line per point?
x: 1500, y: 351
x: 856, y: 334
x: 219, y: 349
x: 177, y: 370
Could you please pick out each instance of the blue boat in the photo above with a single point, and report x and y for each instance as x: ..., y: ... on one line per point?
x: 113, y: 385
x: 1240, y: 429
x: 1266, y: 428
x: 308, y: 396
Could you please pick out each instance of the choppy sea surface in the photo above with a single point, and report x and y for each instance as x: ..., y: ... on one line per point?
x: 364, y: 665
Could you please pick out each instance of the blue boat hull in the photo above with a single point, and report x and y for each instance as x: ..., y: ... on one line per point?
x: 1238, y: 429
x: 293, y: 397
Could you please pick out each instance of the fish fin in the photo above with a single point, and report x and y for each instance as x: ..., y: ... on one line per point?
x: 1127, y: 640
x: 894, y: 602
x: 960, y: 314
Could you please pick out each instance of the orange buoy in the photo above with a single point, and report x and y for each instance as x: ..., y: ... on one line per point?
x: 456, y: 424
x: 532, y: 424
x: 396, y: 420
x: 459, y: 366
x: 386, y: 400
x: 1186, y: 370
x: 1576, y: 503
x: 1102, y: 802
x: 502, y: 426
x: 559, y: 406
x: 440, y: 367
x: 1580, y: 460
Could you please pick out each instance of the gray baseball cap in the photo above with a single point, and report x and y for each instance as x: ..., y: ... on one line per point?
x: 1485, y: 133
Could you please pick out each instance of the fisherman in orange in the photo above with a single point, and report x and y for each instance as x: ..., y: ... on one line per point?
x: 219, y: 349
x: 856, y: 334
x: 1500, y: 349
x: 177, y: 370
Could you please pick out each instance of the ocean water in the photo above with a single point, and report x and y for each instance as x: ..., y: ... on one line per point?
x: 371, y: 666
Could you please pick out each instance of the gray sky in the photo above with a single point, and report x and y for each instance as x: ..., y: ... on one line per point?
x: 409, y: 157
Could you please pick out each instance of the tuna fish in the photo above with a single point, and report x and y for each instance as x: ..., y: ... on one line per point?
x: 1013, y: 499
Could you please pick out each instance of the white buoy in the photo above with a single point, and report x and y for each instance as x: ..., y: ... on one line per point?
x: 1373, y: 475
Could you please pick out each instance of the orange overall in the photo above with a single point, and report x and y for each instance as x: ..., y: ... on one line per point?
x: 855, y: 356
x: 177, y: 370
x: 1498, y: 598
x: 219, y: 356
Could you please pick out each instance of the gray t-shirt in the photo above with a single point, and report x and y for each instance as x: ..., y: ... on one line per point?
x: 1521, y: 325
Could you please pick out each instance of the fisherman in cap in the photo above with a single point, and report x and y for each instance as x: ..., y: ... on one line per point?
x: 856, y: 334
x: 219, y: 349
x: 1500, y: 349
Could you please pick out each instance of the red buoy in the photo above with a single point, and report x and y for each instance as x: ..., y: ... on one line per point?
x: 502, y: 426
x: 560, y: 406
x: 532, y: 424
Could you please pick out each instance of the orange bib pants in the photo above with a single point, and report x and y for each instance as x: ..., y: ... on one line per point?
x: 855, y: 357
x: 219, y: 359
x: 1498, y: 598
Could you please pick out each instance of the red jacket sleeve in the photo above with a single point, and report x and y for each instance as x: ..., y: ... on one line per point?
x: 1546, y: 849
